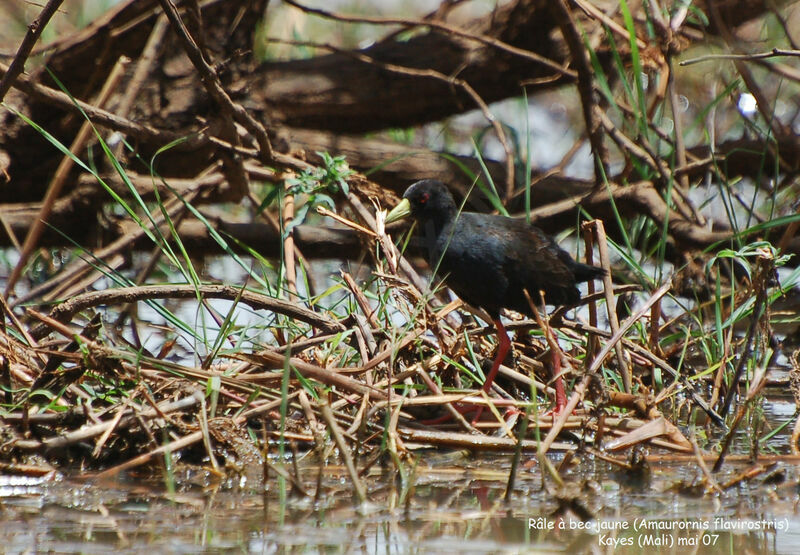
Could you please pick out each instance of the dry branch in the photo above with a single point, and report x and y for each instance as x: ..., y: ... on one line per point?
x: 66, y: 310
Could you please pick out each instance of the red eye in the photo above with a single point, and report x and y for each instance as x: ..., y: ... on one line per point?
x: 424, y: 198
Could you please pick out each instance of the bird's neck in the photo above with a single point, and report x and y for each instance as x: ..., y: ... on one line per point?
x: 434, y: 234
x: 435, y: 226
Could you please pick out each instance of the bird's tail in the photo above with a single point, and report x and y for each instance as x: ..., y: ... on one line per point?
x: 584, y: 272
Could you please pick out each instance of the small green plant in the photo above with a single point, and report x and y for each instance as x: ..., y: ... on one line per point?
x: 319, y: 184
x: 331, y: 177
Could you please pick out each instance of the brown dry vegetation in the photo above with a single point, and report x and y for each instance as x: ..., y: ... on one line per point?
x: 222, y: 152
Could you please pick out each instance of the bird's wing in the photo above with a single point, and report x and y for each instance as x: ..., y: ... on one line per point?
x: 533, y: 261
x: 474, y: 263
x: 531, y: 251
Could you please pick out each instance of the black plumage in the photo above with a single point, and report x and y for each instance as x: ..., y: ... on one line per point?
x: 488, y: 260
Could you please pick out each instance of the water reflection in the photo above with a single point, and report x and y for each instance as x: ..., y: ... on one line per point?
x: 456, y: 508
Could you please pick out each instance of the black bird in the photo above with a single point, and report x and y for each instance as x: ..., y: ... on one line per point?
x: 488, y: 260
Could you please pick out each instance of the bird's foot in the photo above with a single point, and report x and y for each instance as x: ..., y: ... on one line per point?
x: 465, y: 409
x: 561, y: 402
x: 460, y: 408
x: 554, y: 412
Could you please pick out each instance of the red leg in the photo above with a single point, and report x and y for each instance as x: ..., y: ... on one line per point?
x: 504, y: 344
x: 561, y: 396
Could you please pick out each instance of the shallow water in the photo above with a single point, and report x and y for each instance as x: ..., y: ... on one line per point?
x: 453, y: 506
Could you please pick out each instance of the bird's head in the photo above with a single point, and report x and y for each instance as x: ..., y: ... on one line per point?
x: 426, y: 200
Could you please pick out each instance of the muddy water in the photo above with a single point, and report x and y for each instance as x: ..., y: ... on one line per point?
x: 452, y: 507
